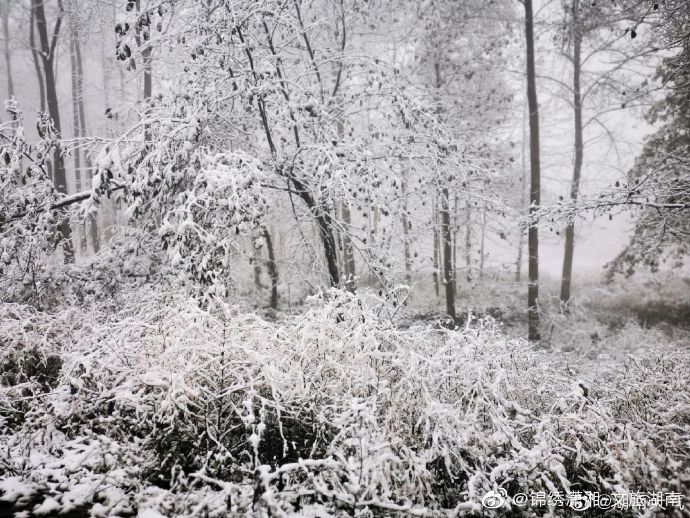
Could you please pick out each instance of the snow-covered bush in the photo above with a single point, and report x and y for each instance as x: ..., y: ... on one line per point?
x: 28, y: 227
x: 164, y: 405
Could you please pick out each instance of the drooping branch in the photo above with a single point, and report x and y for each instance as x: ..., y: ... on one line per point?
x: 653, y: 191
x: 65, y: 202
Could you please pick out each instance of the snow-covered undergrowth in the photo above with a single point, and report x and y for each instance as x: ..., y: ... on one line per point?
x: 161, y: 407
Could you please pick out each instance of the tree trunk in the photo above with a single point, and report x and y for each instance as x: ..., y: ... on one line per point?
x: 533, y: 331
x: 92, y: 218
x: 256, y: 262
x: 323, y: 221
x: 481, y: 244
x: 272, y: 269
x: 456, y: 232
x: 468, y: 240
x: 448, y: 274
x: 108, y: 212
x: 371, y: 244
x: 349, y: 267
x: 523, y: 199
x: 321, y: 214
x: 579, y: 152
x: 105, y: 63
x: 348, y: 249
x: 84, y: 178
x: 328, y: 241
x: 37, y: 65
x: 406, y: 235
x: 76, y: 121
x: 59, y: 173
x: 434, y: 224
x: 148, y: 78
x: 8, y: 55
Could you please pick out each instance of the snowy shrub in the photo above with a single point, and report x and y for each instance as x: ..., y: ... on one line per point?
x: 28, y: 228
x: 196, y: 199
x: 335, y: 411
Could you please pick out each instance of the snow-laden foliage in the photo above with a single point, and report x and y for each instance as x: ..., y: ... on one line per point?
x: 162, y: 405
x: 195, y: 198
x: 29, y: 225
x: 328, y: 118
x: 32, y: 212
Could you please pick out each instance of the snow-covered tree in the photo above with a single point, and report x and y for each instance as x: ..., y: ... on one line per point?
x: 660, y: 179
x: 261, y: 106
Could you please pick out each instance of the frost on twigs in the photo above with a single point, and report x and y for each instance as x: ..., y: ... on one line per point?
x: 196, y: 199
x: 334, y: 409
x: 29, y: 222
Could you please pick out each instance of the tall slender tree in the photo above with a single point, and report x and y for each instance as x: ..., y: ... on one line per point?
x: 82, y: 177
x: 523, y: 196
x: 589, y: 33
x: 35, y: 54
x: 446, y: 233
x: 533, y: 331
x: 576, y: 35
x: 5, y: 7
x: 448, y: 268
x: 76, y: 119
x: 47, y: 55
